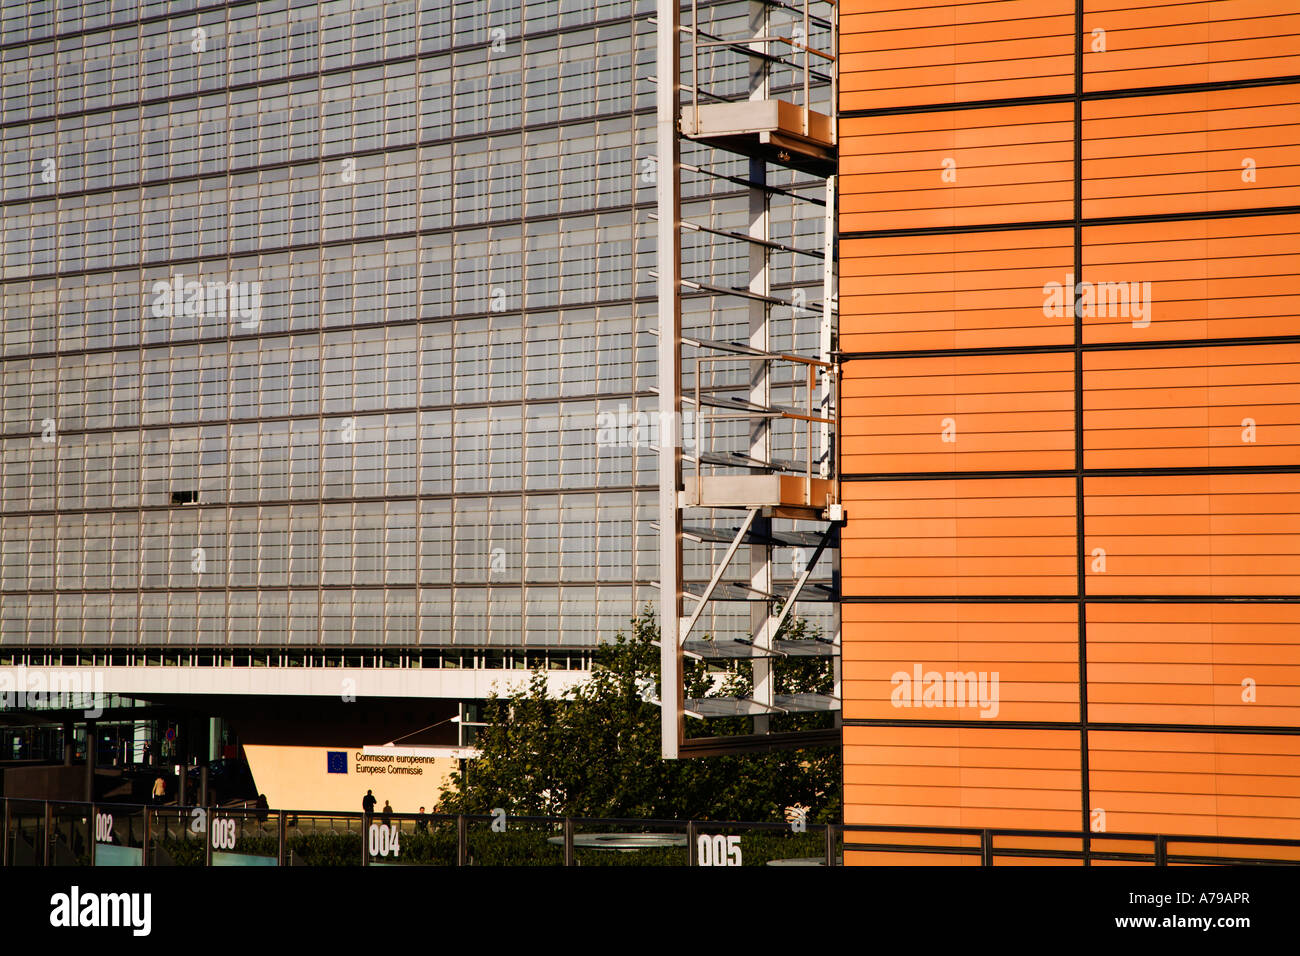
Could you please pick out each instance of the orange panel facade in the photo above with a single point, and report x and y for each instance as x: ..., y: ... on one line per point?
x: 1070, y: 435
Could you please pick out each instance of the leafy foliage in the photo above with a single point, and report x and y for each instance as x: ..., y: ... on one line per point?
x: 594, y: 752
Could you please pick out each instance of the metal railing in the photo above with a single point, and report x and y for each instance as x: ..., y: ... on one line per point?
x: 58, y: 833
x: 818, y: 462
x: 988, y: 846
x: 797, y: 40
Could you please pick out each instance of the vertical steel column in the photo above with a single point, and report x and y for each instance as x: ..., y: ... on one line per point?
x: 92, y: 744
x: 760, y: 391
x: 830, y: 407
x: 668, y: 196
x: 48, y: 834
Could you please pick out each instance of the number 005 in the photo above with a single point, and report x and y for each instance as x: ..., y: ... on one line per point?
x: 718, y: 850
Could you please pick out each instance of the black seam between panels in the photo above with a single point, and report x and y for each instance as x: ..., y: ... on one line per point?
x: 1052, y: 98
x: 1081, y: 585
x: 1076, y: 725
x: 1070, y: 599
x: 1065, y: 349
x: 1068, y: 223
x: 1087, y: 472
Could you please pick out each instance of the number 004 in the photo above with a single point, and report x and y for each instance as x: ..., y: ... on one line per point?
x: 384, y: 840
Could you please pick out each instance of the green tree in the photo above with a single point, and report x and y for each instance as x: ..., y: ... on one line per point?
x: 594, y: 752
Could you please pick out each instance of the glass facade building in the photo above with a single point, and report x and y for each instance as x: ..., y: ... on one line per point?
x: 331, y: 324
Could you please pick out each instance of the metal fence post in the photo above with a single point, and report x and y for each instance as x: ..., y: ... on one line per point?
x: 4, y: 845
x: 365, y: 848
x: 986, y: 848
x: 209, y: 827
x: 92, y: 830
x: 462, y: 840
x: 568, y: 841
x: 283, y: 835
x: 145, y: 840
x: 690, y: 843
x: 1162, y: 851
x: 830, y: 844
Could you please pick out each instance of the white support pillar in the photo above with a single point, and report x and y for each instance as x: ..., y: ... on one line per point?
x: 827, y: 342
x: 668, y: 195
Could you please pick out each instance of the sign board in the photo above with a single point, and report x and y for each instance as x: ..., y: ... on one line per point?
x: 110, y: 854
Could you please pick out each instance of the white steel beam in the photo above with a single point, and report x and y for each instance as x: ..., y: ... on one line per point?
x: 668, y: 196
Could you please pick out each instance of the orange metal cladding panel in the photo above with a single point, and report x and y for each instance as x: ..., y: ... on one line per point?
x: 903, y: 857
x: 914, y: 52
x: 1194, y: 407
x: 1173, y: 42
x: 1007, y: 164
x: 958, y: 413
x: 959, y: 537
x: 961, y: 776
x: 1244, y: 785
x: 1233, y: 664
x: 1032, y: 650
x: 1229, y: 149
x: 970, y: 290
x: 1193, y: 534
x: 1215, y: 279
